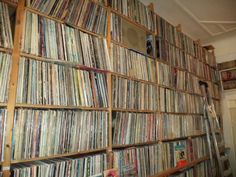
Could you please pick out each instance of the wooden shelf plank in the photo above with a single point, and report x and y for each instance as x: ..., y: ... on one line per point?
x: 75, y: 154
x: 177, y: 169
x: 133, y: 78
x: 133, y: 110
x: 184, y: 137
x: 63, y: 62
x: 12, y: 4
x: 125, y: 46
x: 34, y: 106
x: 50, y: 60
x: 181, y: 113
x: 123, y: 146
x: 3, y: 104
x: 5, y: 50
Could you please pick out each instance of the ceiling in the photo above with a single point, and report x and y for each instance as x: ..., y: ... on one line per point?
x: 201, y: 19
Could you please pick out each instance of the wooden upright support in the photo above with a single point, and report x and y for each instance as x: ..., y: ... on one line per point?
x: 108, y: 37
x: 109, y: 149
x: 209, y: 47
x: 179, y: 27
x: 151, y: 7
x: 13, y: 87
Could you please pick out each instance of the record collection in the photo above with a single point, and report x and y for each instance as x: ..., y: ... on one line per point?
x: 214, y: 90
x: 136, y: 11
x: 5, y: 27
x: 126, y: 162
x: 133, y: 64
x: 169, y: 154
x: 140, y: 162
x: 164, y: 74
x: 199, y: 147
x: 192, y: 84
x: 208, y: 57
x: 51, y: 84
x: 52, y: 132
x: 5, y: 69
x: 88, y: 15
x: 168, y: 32
x: 92, y: 166
x: 52, y: 40
x: 178, y: 102
x: 133, y: 128
x: 116, y: 28
x: 129, y: 94
x: 3, y: 118
x: 202, y: 169
x: 174, y: 37
x: 85, y: 14
x: 81, y: 90
x: 177, y: 126
x: 177, y: 79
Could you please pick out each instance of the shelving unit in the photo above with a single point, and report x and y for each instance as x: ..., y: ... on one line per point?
x: 11, y: 105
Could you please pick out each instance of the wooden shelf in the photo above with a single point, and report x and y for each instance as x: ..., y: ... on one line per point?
x: 86, y: 68
x: 62, y: 22
x: 63, y: 62
x: 124, y: 46
x: 131, y: 21
x: 33, y: 106
x: 215, y: 98
x: 163, y: 61
x: 6, y: 50
x: 181, y: 113
x: 133, y: 110
x: 12, y: 4
x: 50, y: 60
x: 184, y: 137
x: 177, y: 169
x: 155, y: 142
x: 123, y: 146
x: 3, y: 104
x: 75, y: 154
x: 133, y: 78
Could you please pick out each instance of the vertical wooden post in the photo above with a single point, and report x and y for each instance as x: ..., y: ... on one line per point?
x: 179, y: 28
x: 158, y: 111
x: 106, y: 3
x: 151, y: 7
x: 109, y: 87
x: 109, y: 150
x: 13, y: 87
x: 108, y: 37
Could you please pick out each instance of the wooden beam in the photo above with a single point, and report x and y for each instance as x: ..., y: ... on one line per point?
x: 151, y: 7
x: 198, y: 41
x: 109, y: 150
x: 13, y: 87
x: 179, y: 28
x: 108, y: 37
x: 209, y: 47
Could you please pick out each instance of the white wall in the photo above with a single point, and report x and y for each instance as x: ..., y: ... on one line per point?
x: 225, y: 50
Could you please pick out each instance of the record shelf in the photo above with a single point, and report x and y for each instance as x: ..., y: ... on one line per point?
x: 134, y: 107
